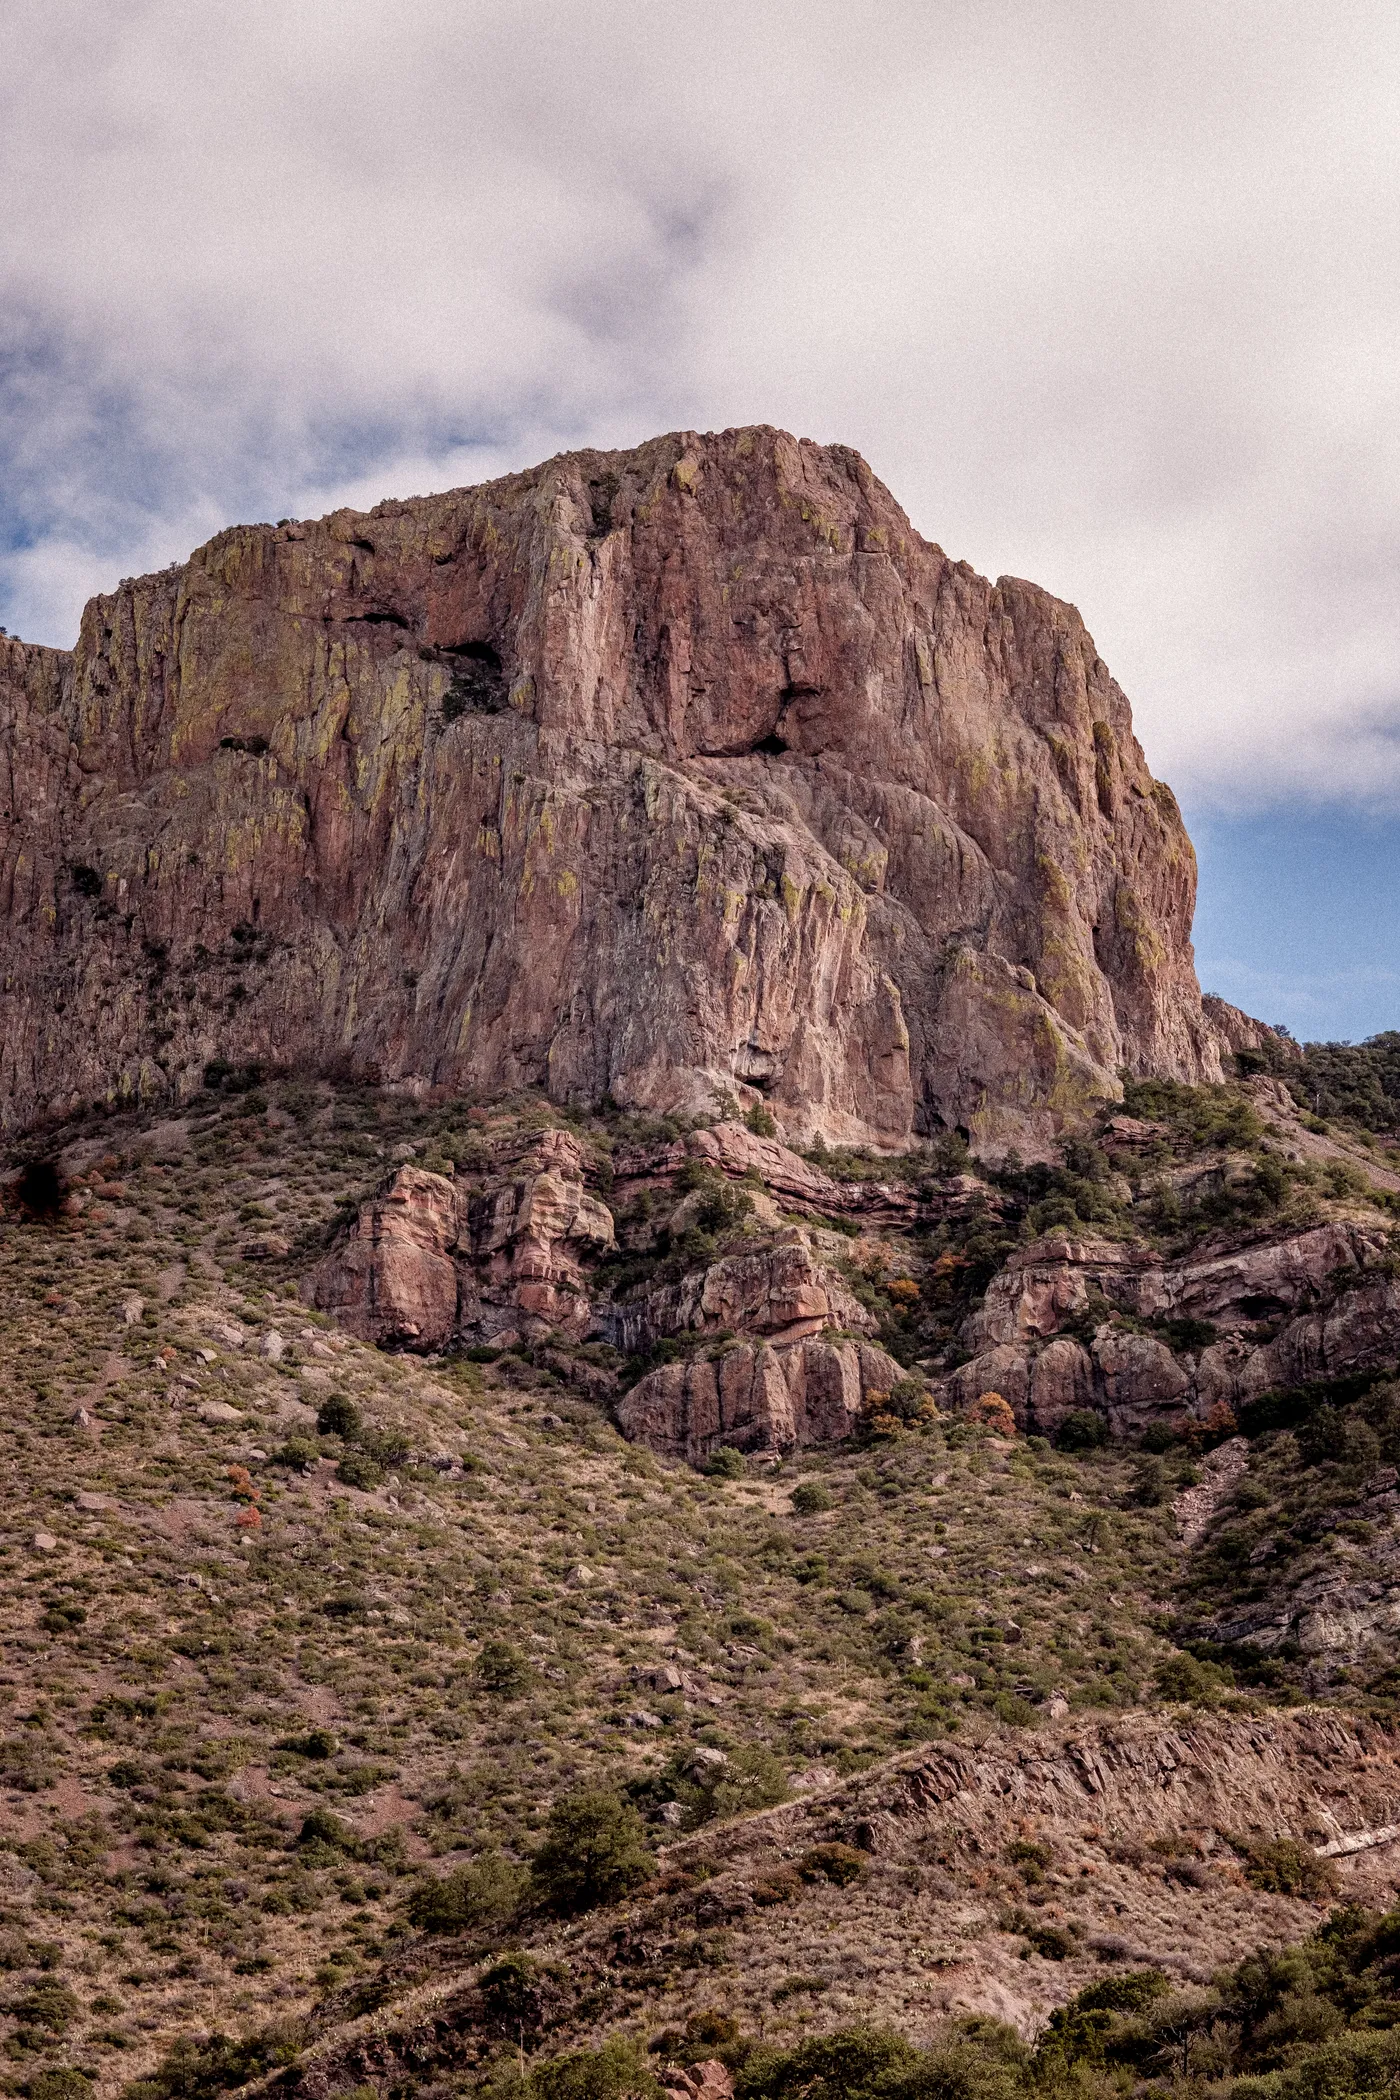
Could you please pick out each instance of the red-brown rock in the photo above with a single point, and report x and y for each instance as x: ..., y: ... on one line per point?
x: 757, y: 1398
x: 681, y: 774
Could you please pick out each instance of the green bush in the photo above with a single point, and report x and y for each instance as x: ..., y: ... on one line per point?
x: 1082, y: 1430
x: 298, y: 1453
x: 323, y: 1828
x: 339, y: 1416
x: 1190, y: 1681
x: 196, y: 2070
x: 502, y: 1670
x: 1150, y: 1485
x: 810, y: 1498
x: 49, y: 2005
x: 594, y: 1852
x: 1286, y: 1868
x: 726, y: 1463
x: 617, y: 2071
x: 358, y: 1470
x: 470, y: 1898
x: 60, y: 2082
x: 838, y: 1863
x: 520, y: 1995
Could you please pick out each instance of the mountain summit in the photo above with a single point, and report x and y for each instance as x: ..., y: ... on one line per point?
x: 683, y: 776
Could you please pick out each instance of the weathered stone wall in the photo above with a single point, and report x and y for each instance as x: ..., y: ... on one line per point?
x: 669, y: 773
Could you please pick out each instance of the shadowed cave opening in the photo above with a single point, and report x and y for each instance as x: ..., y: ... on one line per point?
x: 40, y: 1189
x: 478, y: 681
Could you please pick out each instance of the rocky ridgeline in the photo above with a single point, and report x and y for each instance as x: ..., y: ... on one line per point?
x: 1143, y: 1824
x: 684, y: 775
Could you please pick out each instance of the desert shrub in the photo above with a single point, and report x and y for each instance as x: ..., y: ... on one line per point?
x: 1150, y: 1485
x: 617, y: 2071
x: 809, y: 1498
x: 195, y: 2070
x: 317, y: 1744
x: 358, y: 1470
x: 838, y: 1863
x: 778, y: 1887
x: 1052, y: 1942
x: 751, y: 1777
x: 298, y: 1453
x: 1015, y: 1711
x: 483, y: 1893
x: 1188, y: 1335
x: 502, y: 1670
x: 520, y: 1994
x: 60, y: 2082
x: 594, y: 1851
x: 1286, y: 1868
x: 977, y: 2059
x: 1191, y: 1681
x: 48, y: 2005
x: 992, y: 1412
x: 339, y: 1416
x: 324, y: 1829
x: 1030, y: 1857
x: 1082, y: 1430
x: 725, y: 1464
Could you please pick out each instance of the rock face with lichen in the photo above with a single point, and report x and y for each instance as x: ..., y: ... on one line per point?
x: 680, y: 775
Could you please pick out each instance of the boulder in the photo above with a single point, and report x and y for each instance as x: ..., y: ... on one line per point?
x: 757, y: 1397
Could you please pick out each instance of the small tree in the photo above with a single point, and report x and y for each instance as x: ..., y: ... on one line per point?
x: 468, y: 1899
x: 502, y: 1670
x: 594, y: 1851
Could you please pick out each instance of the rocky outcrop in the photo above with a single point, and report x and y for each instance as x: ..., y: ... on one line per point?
x: 427, y: 1262
x: 681, y: 775
x: 1066, y: 1324
x: 781, y: 1290
x: 1238, y: 1031
x: 758, y: 1398
x: 393, y: 1280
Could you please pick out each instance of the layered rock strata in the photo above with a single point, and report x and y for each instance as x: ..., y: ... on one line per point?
x: 684, y: 774
x: 1067, y: 1324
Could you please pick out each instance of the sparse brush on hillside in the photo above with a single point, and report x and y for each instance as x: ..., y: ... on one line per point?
x: 1288, y: 2023
x: 312, y: 1646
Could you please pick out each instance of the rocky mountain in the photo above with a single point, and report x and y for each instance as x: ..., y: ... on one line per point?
x: 682, y: 776
x: 679, y: 1420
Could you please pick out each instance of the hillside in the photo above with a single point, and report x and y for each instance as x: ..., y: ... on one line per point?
x: 296, y: 1621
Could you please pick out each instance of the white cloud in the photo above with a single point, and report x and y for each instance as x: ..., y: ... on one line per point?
x: 1107, y: 292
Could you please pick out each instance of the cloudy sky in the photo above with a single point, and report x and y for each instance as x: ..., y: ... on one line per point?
x: 1108, y: 293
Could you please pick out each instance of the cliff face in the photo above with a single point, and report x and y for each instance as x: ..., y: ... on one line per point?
x: 671, y: 774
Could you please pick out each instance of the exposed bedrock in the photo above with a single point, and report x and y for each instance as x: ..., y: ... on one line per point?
x: 678, y: 774
x: 1313, y: 1305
